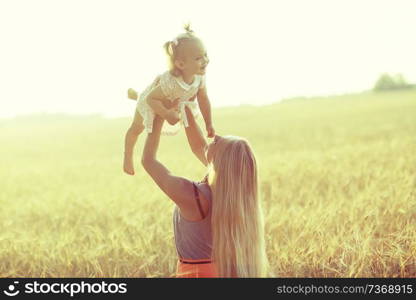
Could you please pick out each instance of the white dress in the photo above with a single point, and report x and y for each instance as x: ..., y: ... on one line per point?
x: 173, y: 88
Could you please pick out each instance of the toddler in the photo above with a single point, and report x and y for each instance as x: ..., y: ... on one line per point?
x: 171, y: 95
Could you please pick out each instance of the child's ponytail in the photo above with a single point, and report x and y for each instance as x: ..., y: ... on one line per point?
x: 170, y: 54
x: 169, y: 48
x: 188, y: 29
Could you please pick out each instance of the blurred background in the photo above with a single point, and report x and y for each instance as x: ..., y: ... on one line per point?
x: 323, y: 90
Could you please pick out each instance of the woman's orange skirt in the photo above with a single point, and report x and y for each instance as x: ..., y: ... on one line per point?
x: 195, y: 268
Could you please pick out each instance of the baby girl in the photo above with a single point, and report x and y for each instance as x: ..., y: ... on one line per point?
x: 172, y: 96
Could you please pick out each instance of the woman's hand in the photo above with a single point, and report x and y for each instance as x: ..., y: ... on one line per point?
x: 210, y: 131
x: 172, y: 113
x: 172, y: 117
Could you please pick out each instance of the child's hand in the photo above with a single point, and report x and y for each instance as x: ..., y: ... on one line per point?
x: 132, y: 94
x: 210, y: 131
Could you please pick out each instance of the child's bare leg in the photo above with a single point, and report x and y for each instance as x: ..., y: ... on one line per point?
x: 130, y: 140
x: 195, y: 137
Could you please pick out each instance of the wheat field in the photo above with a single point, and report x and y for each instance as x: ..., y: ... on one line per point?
x: 337, y: 178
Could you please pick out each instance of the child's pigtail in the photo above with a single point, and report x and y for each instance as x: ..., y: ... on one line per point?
x: 170, y: 54
x: 169, y: 48
x: 188, y: 29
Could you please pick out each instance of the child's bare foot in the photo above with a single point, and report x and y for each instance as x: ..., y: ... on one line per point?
x: 128, y: 164
x: 132, y: 94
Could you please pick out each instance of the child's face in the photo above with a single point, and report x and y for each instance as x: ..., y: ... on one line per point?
x: 194, y: 59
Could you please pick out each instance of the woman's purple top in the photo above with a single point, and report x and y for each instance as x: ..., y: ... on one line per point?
x: 193, y: 239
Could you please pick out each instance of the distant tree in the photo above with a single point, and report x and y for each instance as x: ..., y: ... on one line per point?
x: 401, y: 82
x: 391, y: 82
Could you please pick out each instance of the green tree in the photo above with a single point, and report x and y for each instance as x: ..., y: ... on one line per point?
x: 391, y: 82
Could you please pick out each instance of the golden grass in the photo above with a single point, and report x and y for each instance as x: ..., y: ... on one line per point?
x: 337, y: 177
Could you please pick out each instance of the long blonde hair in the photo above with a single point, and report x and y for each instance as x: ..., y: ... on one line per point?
x: 237, y: 218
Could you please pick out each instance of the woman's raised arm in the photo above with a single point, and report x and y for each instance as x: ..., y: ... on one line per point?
x: 195, y: 138
x: 179, y: 189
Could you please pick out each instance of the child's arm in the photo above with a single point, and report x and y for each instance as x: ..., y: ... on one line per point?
x: 205, y: 107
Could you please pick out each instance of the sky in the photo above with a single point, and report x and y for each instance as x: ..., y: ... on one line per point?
x: 81, y: 56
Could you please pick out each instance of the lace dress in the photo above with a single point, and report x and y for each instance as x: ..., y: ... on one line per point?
x: 173, y: 88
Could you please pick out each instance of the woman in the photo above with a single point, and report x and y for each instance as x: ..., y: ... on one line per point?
x: 218, y: 224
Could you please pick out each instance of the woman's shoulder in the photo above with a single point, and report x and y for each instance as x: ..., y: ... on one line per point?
x: 201, y: 193
x: 205, y: 189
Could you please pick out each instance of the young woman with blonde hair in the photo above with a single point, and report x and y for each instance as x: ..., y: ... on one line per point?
x: 218, y: 223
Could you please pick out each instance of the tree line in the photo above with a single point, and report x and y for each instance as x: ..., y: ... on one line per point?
x: 388, y: 81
